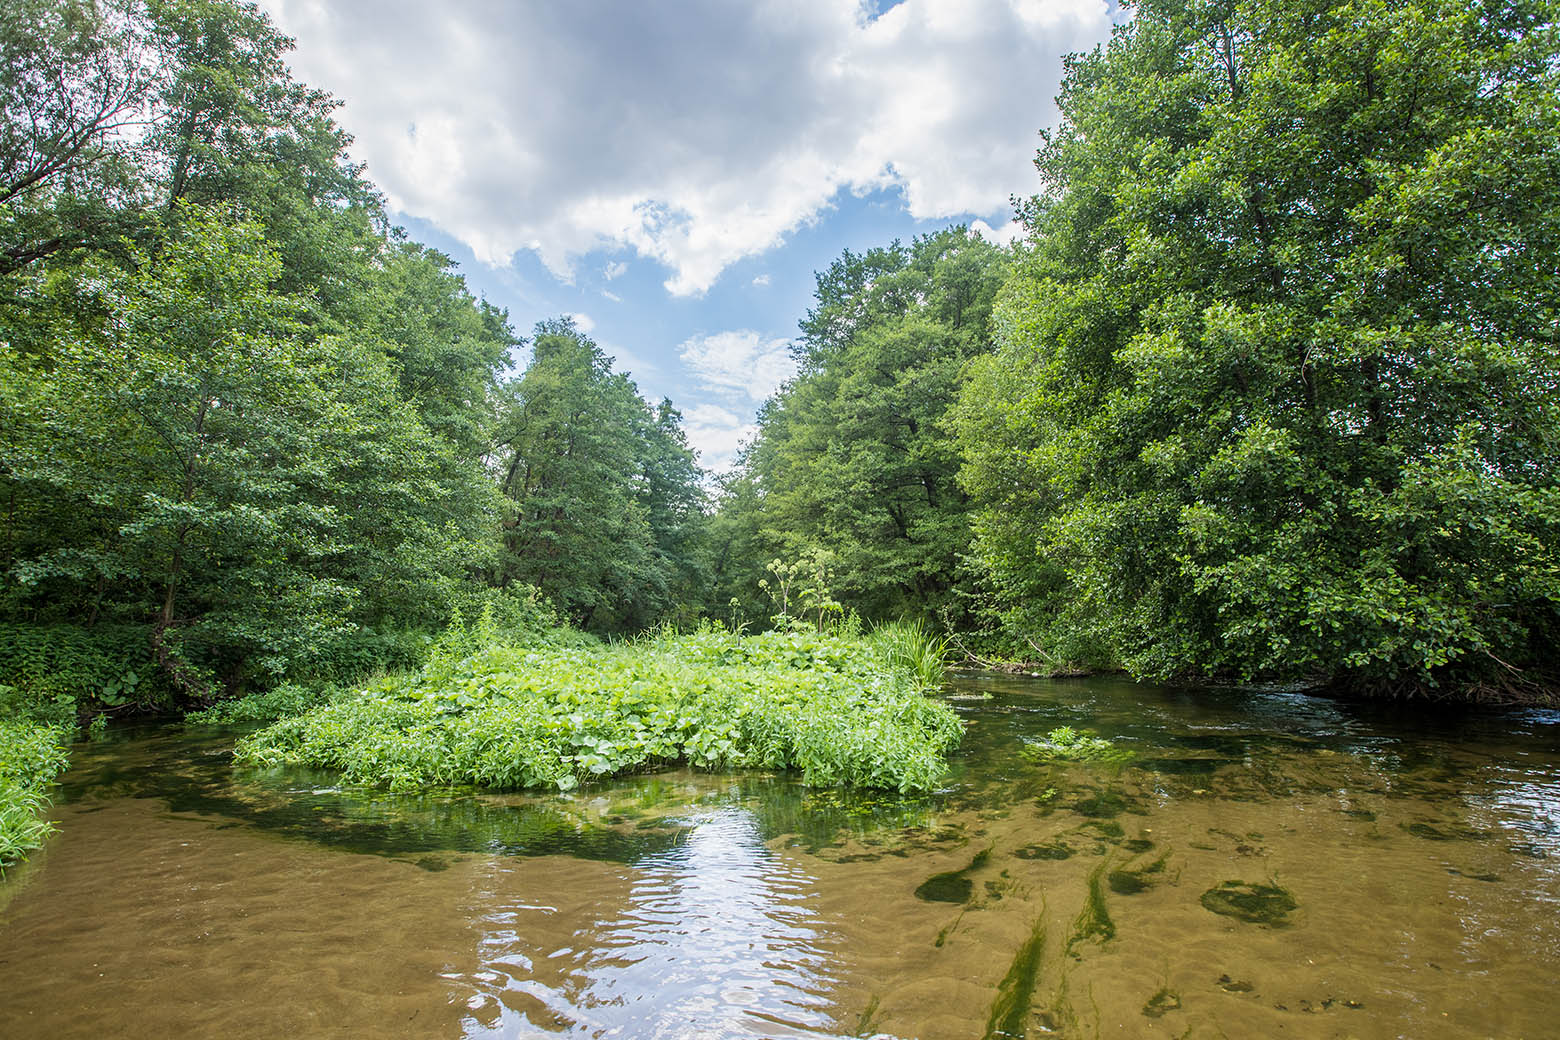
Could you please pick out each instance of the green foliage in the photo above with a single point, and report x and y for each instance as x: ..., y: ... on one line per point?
x: 1064, y: 742
x: 279, y: 702
x: 55, y: 672
x: 240, y: 415
x: 1278, y: 391
x: 912, y: 646
x: 852, y: 456
x: 517, y: 716
x: 32, y: 754
x: 607, y: 509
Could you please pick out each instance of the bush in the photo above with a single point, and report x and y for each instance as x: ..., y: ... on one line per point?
x: 839, y: 710
x: 54, y: 670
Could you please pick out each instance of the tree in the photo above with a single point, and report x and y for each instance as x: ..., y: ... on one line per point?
x: 74, y: 81
x: 1277, y: 388
x: 852, y: 456
x: 605, y: 490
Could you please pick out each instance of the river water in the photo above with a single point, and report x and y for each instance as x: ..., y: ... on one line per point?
x: 1266, y: 864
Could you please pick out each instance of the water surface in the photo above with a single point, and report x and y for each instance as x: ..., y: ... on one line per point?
x: 1265, y: 864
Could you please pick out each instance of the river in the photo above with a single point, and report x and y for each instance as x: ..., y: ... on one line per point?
x: 1264, y: 864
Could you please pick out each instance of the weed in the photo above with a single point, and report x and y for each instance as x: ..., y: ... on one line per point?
x: 1064, y: 742
x: 507, y: 716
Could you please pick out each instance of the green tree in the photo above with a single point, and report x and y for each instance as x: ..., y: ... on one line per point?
x: 852, y: 456
x: 74, y: 88
x: 605, y: 490
x: 1277, y: 389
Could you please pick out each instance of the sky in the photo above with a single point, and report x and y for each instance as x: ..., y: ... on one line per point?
x: 673, y: 174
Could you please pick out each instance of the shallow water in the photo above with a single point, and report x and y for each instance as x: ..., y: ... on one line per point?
x: 1266, y: 864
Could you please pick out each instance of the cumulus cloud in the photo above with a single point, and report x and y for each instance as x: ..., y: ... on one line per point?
x: 614, y: 269
x: 740, y: 368
x: 762, y: 279
x: 583, y: 322
x: 694, y: 134
x: 717, y: 434
x: 739, y: 365
x: 1005, y: 235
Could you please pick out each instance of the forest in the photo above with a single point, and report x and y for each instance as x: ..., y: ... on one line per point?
x: 1269, y: 391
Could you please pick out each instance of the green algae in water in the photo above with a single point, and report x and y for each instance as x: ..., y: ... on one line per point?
x: 1053, y: 850
x: 1166, y: 1000
x: 1108, y: 828
x: 1094, y: 921
x: 1130, y: 882
x: 1073, y: 745
x: 1127, y: 882
x: 952, y: 886
x: 1016, y: 992
x: 1100, y: 806
x: 1268, y: 905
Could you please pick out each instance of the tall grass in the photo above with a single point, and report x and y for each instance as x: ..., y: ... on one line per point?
x: 913, y: 646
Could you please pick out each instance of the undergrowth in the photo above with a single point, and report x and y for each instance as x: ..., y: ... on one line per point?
x: 843, y: 711
x: 32, y: 754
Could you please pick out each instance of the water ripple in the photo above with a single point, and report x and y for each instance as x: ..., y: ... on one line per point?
x: 714, y: 939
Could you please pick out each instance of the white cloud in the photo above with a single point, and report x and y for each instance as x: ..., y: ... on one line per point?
x: 740, y: 365
x: 717, y: 434
x: 614, y: 269
x: 762, y: 279
x: 1005, y: 235
x: 583, y: 322
x: 695, y: 134
x: 614, y: 297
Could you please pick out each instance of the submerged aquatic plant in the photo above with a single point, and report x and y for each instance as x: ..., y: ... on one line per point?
x: 552, y: 716
x: 1268, y: 905
x: 1015, y: 993
x: 1064, y: 742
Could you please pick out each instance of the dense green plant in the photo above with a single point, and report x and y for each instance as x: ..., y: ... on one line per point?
x: 913, y: 646
x: 1278, y: 391
x: 1064, y: 742
x: 31, y: 755
x: 514, y: 716
x: 58, y: 671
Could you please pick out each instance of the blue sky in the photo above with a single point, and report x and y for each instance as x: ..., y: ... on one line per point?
x: 674, y: 174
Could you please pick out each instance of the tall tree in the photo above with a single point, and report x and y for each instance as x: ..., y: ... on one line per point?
x: 852, y: 457
x: 75, y: 82
x: 605, y: 490
x: 1277, y: 390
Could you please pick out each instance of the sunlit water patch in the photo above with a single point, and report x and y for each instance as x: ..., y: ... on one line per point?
x: 713, y: 938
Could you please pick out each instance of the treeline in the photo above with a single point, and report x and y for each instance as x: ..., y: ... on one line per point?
x: 1271, y: 390
x: 249, y: 430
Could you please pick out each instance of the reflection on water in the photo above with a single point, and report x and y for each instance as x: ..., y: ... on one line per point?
x: 714, y: 939
x: 1264, y: 864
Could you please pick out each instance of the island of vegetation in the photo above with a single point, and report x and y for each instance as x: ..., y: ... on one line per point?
x: 1269, y: 390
